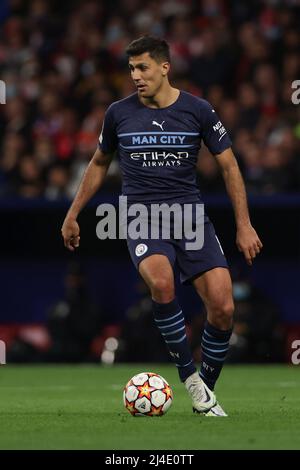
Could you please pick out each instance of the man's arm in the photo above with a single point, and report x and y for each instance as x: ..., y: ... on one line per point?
x: 247, y: 239
x: 92, y: 180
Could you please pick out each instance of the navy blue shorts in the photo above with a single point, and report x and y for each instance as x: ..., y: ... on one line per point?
x: 190, y: 262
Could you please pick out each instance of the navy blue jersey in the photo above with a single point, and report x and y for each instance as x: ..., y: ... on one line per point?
x: 158, y: 148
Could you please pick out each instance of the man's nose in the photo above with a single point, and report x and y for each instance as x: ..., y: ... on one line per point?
x: 136, y: 75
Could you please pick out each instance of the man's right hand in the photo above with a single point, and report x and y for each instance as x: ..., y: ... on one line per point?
x: 70, y: 232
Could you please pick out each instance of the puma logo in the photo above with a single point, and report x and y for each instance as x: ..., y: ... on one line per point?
x: 207, y: 396
x: 154, y: 123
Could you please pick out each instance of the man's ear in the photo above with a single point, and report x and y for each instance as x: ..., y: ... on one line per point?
x: 165, y: 68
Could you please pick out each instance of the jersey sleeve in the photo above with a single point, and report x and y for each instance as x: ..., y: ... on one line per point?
x: 214, y: 134
x: 108, y: 141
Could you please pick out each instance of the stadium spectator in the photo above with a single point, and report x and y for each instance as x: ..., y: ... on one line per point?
x: 73, y: 321
x: 63, y: 67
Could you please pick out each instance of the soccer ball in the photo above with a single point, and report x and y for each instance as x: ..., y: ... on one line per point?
x: 147, y: 394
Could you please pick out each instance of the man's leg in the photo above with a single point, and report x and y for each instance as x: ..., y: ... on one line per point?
x: 215, y: 289
x: 158, y: 274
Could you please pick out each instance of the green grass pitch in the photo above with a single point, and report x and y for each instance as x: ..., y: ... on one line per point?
x: 80, y: 407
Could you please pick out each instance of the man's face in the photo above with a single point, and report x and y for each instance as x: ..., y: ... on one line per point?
x: 147, y: 74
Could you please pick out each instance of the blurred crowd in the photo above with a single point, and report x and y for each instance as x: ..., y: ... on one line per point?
x: 63, y: 63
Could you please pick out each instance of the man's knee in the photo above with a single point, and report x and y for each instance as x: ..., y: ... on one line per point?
x: 162, y: 289
x: 221, y: 314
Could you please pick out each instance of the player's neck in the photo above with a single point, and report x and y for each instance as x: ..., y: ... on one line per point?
x: 164, y: 98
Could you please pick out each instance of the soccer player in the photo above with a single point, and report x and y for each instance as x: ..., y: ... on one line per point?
x: 157, y: 133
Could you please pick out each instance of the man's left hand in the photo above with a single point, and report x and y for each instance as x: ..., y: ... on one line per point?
x: 248, y: 242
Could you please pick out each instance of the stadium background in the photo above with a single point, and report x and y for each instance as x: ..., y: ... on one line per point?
x: 63, y: 63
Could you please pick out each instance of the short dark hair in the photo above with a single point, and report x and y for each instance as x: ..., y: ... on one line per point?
x: 158, y: 48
